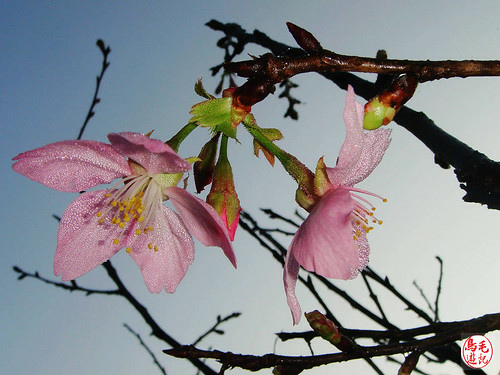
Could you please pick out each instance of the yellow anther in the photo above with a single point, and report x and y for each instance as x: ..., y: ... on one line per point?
x: 128, y: 250
x: 140, y: 219
x: 113, y: 203
x: 116, y: 241
x: 126, y: 218
x: 374, y: 208
x: 150, y: 228
x: 140, y: 210
x: 107, y: 195
x: 122, y: 208
x: 99, y: 214
x: 380, y: 222
x: 138, y: 232
x: 101, y: 220
x: 121, y: 225
x: 156, y: 249
x: 150, y: 245
x: 384, y: 200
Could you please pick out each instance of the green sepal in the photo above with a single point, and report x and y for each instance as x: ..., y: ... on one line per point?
x: 322, y: 183
x: 271, y: 134
x: 200, y: 90
x: 215, y: 114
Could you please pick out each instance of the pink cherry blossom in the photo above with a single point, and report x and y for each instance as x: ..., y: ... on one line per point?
x: 130, y: 215
x: 332, y: 240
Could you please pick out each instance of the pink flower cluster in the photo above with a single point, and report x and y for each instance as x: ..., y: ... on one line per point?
x: 332, y: 240
x: 129, y: 215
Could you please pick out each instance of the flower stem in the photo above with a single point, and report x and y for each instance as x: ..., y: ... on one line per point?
x: 177, y: 139
x: 300, y: 173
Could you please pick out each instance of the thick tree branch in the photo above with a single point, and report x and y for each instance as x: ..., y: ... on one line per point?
x: 478, y: 175
x: 481, y: 325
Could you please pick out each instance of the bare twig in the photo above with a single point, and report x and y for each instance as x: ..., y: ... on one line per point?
x: 374, y: 297
x: 105, y: 50
x: 422, y: 293
x: 438, y: 291
x: 72, y: 286
x: 143, y: 344
x: 214, y: 328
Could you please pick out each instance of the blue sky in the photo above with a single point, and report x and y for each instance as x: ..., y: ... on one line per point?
x: 159, y: 49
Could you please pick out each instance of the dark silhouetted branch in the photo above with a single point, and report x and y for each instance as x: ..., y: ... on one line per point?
x: 482, y: 325
x: 105, y: 50
x: 143, y: 344
x: 215, y: 329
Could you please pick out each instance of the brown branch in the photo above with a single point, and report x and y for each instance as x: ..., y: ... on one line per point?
x: 479, y: 176
x: 481, y: 325
x: 277, y: 69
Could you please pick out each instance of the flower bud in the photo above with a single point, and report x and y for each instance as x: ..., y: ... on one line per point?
x: 223, y: 195
x: 323, y: 326
x: 382, y: 108
x: 204, y: 169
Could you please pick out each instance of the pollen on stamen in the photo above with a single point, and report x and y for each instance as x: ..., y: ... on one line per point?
x: 150, y: 246
x: 138, y: 232
x: 128, y: 250
x: 99, y: 214
x: 116, y: 241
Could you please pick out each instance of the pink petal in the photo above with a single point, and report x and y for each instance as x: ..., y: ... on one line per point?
x: 72, y: 166
x: 362, y: 150
x: 324, y: 242
x: 290, y: 275
x: 166, y: 267
x: 353, y: 143
x: 83, y: 243
x: 202, y: 221
x: 375, y: 143
x: 154, y: 155
x: 363, y: 251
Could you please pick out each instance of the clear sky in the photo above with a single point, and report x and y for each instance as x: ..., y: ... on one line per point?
x: 159, y: 49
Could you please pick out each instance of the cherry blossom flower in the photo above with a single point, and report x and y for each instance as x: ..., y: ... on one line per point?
x: 332, y: 240
x: 131, y: 214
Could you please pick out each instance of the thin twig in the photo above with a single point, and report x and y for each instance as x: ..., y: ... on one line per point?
x: 273, y: 215
x: 143, y: 344
x: 105, y: 50
x: 422, y: 293
x: 374, y: 297
x: 72, y: 286
x: 214, y: 329
x: 438, y: 292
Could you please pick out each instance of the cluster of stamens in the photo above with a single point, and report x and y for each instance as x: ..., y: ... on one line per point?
x: 130, y: 204
x: 363, y: 217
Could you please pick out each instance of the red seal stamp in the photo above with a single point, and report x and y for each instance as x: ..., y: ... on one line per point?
x: 477, y: 351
